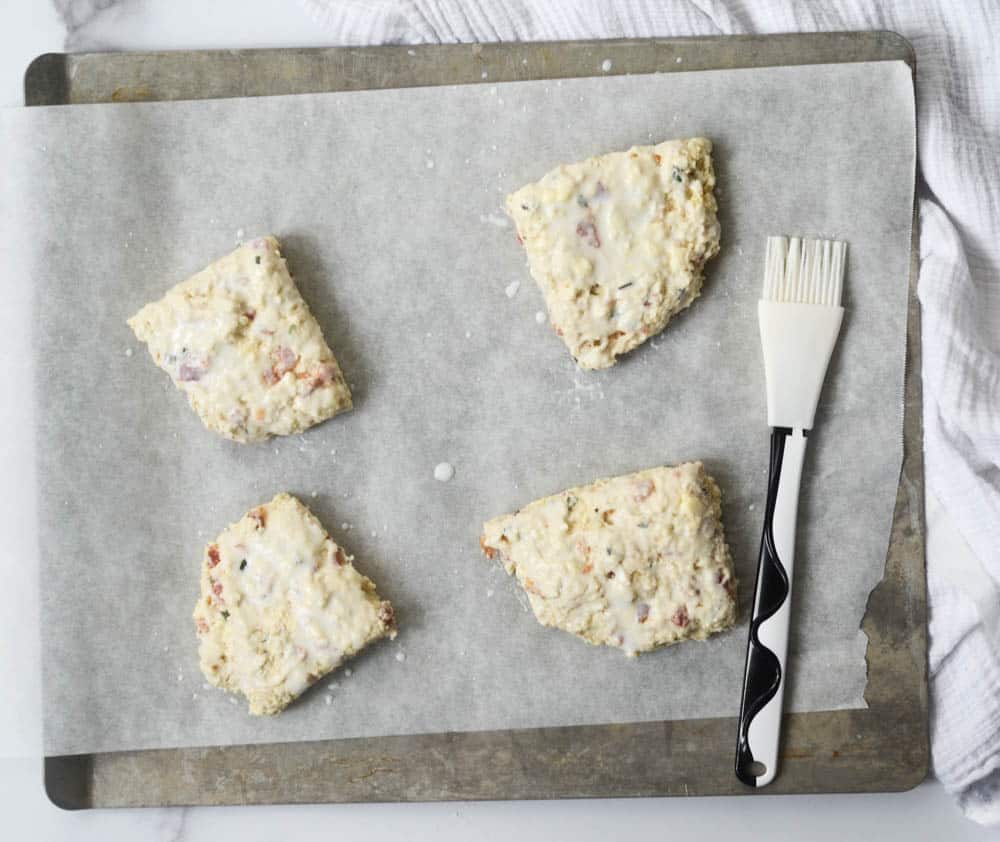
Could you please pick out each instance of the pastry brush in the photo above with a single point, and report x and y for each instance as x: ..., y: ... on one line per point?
x: 800, y: 316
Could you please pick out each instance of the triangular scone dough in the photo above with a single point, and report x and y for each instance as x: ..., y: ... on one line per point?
x: 240, y: 342
x: 636, y: 561
x: 617, y: 243
x: 281, y: 605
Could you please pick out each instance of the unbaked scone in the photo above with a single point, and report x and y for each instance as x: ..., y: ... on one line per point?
x: 240, y: 342
x: 636, y: 561
x: 617, y: 243
x: 281, y: 605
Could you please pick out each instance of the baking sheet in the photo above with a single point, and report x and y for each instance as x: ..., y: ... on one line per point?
x: 446, y: 367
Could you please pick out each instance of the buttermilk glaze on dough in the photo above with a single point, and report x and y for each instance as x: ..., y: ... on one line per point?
x: 618, y: 242
x: 240, y: 342
x: 637, y: 561
x: 281, y: 606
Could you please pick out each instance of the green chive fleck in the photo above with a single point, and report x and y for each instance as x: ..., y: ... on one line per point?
x: 225, y: 615
x: 243, y: 564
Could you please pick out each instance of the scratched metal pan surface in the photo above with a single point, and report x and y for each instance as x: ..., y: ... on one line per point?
x: 881, y: 748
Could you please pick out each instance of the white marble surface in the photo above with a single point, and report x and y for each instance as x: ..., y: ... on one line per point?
x: 31, y: 27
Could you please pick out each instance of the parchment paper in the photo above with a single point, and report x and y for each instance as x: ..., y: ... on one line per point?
x: 388, y: 205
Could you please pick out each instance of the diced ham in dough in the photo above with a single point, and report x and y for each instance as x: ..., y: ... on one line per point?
x: 637, y: 561
x: 240, y: 342
x: 281, y: 606
x: 617, y: 243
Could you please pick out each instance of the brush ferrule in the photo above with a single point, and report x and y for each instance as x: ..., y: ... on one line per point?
x: 798, y: 340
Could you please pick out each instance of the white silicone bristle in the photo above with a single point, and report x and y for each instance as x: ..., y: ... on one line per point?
x: 798, y: 271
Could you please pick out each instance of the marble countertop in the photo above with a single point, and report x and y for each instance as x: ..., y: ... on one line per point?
x: 32, y: 27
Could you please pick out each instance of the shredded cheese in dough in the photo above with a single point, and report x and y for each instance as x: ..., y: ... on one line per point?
x: 636, y: 561
x: 281, y: 606
x: 240, y: 342
x: 617, y: 243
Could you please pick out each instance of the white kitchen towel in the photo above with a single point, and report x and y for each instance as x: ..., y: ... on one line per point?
x: 958, y: 116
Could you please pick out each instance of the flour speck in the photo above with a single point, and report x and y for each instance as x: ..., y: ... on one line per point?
x: 468, y: 334
x: 512, y: 288
x: 128, y: 352
x: 484, y: 75
x: 443, y: 471
x: 606, y: 65
x: 430, y: 164
x: 240, y: 234
x: 401, y: 656
x: 540, y: 317
x: 411, y: 52
x: 678, y: 59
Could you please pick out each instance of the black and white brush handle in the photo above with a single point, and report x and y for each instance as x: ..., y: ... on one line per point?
x: 767, y: 649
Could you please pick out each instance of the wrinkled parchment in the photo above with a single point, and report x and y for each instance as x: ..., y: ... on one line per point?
x: 388, y: 205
